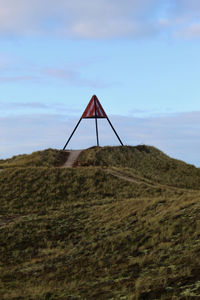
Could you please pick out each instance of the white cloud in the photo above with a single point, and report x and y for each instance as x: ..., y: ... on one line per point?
x: 186, y: 7
x: 99, y: 19
x: 183, y: 18
x: 19, y: 108
x: 78, y: 18
x: 72, y: 74
x: 16, y: 78
x: 191, y: 31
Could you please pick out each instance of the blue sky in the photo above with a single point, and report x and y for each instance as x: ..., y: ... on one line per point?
x: 140, y: 57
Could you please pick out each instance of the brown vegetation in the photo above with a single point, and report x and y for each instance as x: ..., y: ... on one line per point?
x: 87, y: 233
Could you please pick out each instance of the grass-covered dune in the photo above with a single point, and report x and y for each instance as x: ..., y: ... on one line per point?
x: 146, y: 161
x: 103, y: 230
x: 46, y: 158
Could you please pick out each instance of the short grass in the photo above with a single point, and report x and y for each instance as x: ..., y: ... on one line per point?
x: 145, y: 161
x: 46, y: 158
x: 84, y: 233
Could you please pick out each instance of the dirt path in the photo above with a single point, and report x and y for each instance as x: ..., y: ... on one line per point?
x: 138, y: 180
x: 73, y: 155
x: 123, y: 176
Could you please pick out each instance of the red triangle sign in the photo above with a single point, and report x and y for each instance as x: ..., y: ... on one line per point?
x: 94, y: 109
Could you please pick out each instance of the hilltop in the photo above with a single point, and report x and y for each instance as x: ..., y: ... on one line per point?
x: 146, y: 161
x: 122, y: 224
x: 45, y: 158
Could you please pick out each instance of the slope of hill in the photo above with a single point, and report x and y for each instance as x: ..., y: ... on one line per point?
x: 46, y: 158
x: 107, y: 230
x: 145, y: 161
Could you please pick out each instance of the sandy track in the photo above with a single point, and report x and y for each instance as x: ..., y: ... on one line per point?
x: 73, y: 155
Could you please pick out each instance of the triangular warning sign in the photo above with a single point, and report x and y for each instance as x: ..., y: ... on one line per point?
x: 94, y: 109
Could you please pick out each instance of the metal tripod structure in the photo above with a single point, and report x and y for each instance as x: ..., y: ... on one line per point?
x: 95, y: 111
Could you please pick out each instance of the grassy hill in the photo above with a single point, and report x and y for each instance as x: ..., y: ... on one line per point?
x: 145, y: 161
x: 46, y: 158
x: 106, y: 229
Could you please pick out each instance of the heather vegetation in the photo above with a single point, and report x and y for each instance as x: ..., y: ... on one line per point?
x: 103, y: 230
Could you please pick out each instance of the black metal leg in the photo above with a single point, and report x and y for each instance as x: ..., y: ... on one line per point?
x: 115, y: 131
x: 72, y: 134
x: 97, y: 133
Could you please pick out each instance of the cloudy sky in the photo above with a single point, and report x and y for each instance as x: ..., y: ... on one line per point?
x: 140, y: 57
